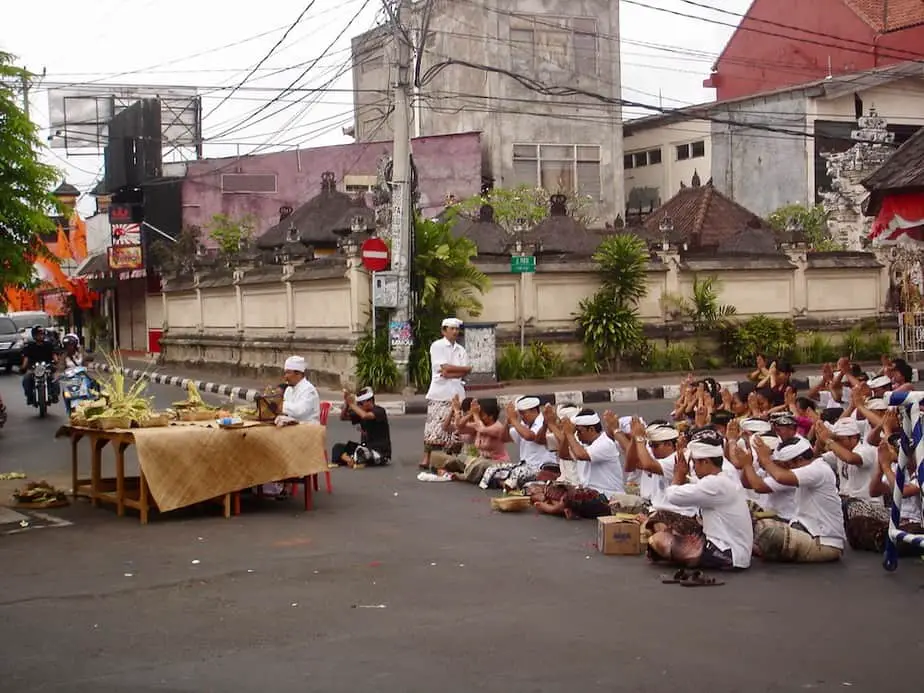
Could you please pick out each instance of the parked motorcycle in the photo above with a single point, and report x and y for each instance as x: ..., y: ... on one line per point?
x: 77, y: 386
x: 44, y: 393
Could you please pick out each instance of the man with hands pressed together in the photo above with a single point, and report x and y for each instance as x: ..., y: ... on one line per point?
x: 374, y: 447
x: 727, y: 537
x: 815, y: 534
x: 585, y: 442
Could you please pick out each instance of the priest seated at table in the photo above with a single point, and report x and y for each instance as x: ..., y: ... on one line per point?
x: 301, y: 403
x: 374, y: 446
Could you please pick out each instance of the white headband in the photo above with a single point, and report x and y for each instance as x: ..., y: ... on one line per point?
x: 565, y: 412
x: 756, y: 426
x: 702, y: 451
x: 586, y: 420
x: 790, y: 452
x: 771, y: 441
x: 846, y: 427
x: 365, y: 394
x: 881, y: 381
x: 452, y: 322
x: 527, y: 403
x: 876, y: 404
x: 661, y: 433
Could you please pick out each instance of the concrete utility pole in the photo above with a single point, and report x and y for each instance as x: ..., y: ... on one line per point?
x: 401, y: 213
x: 25, y: 93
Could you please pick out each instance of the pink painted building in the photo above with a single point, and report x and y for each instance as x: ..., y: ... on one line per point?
x: 259, y: 185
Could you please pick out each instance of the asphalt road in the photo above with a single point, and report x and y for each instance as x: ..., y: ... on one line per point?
x: 393, y: 584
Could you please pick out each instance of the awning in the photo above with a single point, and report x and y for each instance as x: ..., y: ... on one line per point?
x: 900, y: 220
x: 97, y: 267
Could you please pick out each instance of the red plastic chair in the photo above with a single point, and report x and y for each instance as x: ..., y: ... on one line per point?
x: 312, y: 482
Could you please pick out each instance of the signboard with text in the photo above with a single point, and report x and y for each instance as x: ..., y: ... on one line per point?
x: 125, y: 250
x: 523, y: 264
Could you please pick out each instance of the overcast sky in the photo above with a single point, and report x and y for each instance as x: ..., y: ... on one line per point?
x: 212, y: 45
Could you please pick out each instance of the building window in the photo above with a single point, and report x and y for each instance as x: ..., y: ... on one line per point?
x: 556, y: 167
x: 693, y: 150
x: 359, y: 185
x: 650, y: 157
x: 553, y: 44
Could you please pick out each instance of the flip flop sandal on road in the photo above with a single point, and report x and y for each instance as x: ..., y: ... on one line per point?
x: 700, y: 580
x: 677, y: 578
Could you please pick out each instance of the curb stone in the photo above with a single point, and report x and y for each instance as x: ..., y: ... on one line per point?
x: 616, y: 395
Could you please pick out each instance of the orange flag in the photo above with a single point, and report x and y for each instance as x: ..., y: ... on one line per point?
x: 78, y: 240
x: 62, y: 246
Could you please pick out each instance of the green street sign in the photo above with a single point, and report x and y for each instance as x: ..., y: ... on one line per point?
x: 523, y: 264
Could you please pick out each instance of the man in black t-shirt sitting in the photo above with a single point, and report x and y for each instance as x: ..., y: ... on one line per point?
x: 374, y: 447
x: 39, y: 350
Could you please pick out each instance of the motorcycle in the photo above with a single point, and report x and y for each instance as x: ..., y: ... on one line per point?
x: 77, y: 386
x: 43, y: 388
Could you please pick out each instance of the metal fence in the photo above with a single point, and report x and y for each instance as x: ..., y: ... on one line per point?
x: 911, y: 332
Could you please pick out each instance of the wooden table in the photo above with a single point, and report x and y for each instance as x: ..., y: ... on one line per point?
x: 121, y: 491
x: 190, y: 463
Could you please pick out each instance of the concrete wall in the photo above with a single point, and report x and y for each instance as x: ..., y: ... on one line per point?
x: 461, y: 98
x: 759, y: 169
x: 445, y: 164
x: 319, y: 312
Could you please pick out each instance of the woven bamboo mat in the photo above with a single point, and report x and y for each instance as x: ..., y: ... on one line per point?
x: 184, y: 465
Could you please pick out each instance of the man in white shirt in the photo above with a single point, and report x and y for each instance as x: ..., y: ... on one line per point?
x: 300, y: 401
x: 728, y: 536
x: 585, y: 441
x: 300, y: 404
x: 448, y: 366
x: 527, y: 429
x: 815, y: 534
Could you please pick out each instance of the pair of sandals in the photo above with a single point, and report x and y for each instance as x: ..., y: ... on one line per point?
x: 696, y: 578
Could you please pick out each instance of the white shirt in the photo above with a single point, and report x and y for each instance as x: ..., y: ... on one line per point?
x: 532, y: 453
x: 604, y: 471
x: 302, y: 402
x: 444, y: 353
x: 828, y: 402
x: 655, y: 485
x: 781, y: 499
x: 726, y: 517
x: 911, y: 505
x: 855, y: 479
x: 818, y: 506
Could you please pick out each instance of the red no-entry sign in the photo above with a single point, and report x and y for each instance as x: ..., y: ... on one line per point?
x: 374, y: 255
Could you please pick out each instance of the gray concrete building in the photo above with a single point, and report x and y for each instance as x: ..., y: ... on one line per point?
x: 561, y: 143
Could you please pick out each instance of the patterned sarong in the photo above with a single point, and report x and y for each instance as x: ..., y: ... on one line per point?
x: 435, y: 437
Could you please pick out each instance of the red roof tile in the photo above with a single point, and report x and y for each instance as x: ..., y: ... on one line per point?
x: 703, y: 217
x: 888, y: 15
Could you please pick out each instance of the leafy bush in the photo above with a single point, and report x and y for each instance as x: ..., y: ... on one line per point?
x: 375, y: 367
x: 537, y: 362
x: 819, y: 349
x: 863, y: 345
x: 760, y: 334
x: 675, y: 357
x: 608, y: 322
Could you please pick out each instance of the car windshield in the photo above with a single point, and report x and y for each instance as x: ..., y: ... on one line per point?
x: 24, y: 321
x: 7, y: 326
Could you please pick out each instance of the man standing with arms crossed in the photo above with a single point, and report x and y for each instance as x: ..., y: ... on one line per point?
x: 448, y: 366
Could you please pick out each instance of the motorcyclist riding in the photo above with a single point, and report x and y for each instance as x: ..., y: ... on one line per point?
x: 39, y: 350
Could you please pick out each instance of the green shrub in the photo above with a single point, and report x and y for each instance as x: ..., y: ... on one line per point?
x: 819, y: 349
x: 876, y: 345
x: 375, y: 367
x: 741, y: 342
x: 538, y: 361
x: 674, y: 357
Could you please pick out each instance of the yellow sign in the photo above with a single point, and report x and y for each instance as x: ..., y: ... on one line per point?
x: 125, y: 257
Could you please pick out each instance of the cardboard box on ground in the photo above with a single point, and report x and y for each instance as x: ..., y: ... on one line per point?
x: 620, y: 535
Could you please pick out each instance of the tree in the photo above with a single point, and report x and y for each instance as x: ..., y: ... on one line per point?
x: 703, y: 309
x: 176, y: 256
x: 231, y: 234
x: 608, y: 322
x: 812, y: 221
x: 25, y: 184
x: 445, y: 282
x: 531, y: 205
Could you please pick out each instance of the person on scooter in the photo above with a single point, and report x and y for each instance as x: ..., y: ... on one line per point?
x: 73, y: 355
x: 39, y: 350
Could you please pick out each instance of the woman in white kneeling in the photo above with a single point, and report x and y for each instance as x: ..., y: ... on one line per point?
x: 728, y: 534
